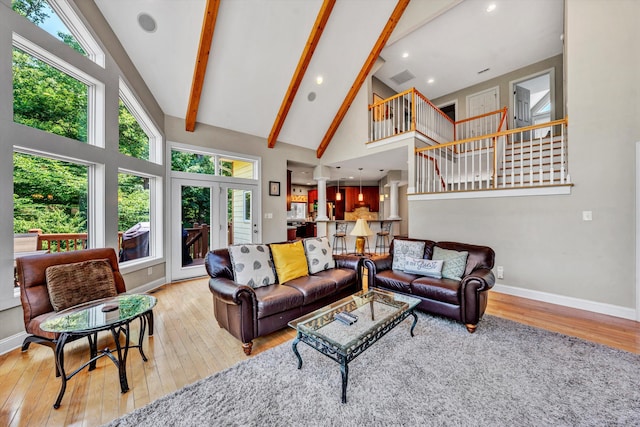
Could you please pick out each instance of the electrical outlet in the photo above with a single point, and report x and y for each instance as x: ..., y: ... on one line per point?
x: 149, y: 271
x: 587, y: 216
x: 500, y: 272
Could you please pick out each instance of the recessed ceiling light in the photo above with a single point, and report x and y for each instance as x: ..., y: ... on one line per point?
x: 491, y: 7
x: 147, y: 22
x: 319, y: 80
x: 430, y: 81
x: 405, y: 55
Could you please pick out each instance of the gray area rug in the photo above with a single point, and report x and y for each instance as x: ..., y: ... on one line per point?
x: 506, y: 374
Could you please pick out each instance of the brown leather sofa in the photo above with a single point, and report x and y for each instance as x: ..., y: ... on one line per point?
x: 248, y: 313
x: 464, y: 300
x: 34, y: 296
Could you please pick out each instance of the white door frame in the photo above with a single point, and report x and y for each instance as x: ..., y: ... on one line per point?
x: 552, y: 86
x: 178, y: 272
x: 495, y: 89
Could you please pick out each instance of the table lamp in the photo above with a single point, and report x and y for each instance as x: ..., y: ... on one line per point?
x: 361, y: 231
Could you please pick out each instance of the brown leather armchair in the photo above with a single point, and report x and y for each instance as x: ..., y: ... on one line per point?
x: 34, y: 294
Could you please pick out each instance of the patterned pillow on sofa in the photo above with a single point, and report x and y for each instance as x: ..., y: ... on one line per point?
x: 319, y: 254
x: 404, y: 249
x: 454, y: 262
x: 252, y: 265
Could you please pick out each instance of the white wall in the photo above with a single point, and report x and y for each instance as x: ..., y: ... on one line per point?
x: 542, y: 242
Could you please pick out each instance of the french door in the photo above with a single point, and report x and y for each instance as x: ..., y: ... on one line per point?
x: 208, y: 215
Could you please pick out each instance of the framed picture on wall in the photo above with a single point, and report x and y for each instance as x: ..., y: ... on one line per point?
x: 274, y: 188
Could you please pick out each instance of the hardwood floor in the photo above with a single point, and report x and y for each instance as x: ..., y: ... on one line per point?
x: 188, y: 345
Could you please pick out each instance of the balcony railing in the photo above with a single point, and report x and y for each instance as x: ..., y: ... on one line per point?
x: 524, y: 157
x: 411, y: 111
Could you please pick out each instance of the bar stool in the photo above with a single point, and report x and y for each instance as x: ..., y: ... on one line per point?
x: 340, y: 238
x: 382, y: 237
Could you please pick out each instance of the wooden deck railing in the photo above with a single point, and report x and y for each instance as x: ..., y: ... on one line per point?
x: 65, y: 242
x: 518, y: 158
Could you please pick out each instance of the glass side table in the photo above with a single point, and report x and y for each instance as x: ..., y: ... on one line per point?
x: 112, y: 314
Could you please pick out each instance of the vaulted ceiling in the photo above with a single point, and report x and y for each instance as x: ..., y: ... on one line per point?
x: 257, y: 47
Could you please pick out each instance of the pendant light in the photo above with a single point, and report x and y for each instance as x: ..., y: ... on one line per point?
x: 360, y: 196
x: 338, y: 194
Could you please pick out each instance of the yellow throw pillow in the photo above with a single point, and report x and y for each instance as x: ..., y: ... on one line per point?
x: 290, y: 261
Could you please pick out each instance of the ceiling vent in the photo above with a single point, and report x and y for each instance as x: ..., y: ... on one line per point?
x: 402, y: 77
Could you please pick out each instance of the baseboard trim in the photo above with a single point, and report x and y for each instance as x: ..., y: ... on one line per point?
x: 14, y: 341
x: 581, y: 304
x: 147, y: 287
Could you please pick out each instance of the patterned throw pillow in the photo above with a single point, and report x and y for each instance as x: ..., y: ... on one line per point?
x: 454, y: 262
x: 252, y: 265
x: 403, y: 249
x: 424, y: 267
x: 289, y: 261
x: 319, y: 254
x: 72, y: 284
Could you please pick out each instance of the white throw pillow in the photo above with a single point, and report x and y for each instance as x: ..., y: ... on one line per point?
x: 424, y: 267
x: 252, y: 265
x: 403, y: 249
x: 319, y: 254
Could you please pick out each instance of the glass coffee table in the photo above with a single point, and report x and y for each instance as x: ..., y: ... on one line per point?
x: 86, y: 320
x: 377, y: 313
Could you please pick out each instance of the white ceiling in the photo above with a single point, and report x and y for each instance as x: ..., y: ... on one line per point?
x: 257, y: 45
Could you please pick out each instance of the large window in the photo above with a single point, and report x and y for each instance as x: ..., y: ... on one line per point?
x: 134, y: 220
x: 50, y: 198
x: 48, y: 99
x: 61, y: 153
x: 58, y: 19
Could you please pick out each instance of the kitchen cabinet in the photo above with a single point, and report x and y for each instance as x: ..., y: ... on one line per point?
x: 313, y: 198
x: 288, y: 190
x: 371, y: 198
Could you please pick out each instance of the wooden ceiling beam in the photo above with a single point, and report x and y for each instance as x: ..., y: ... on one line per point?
x: 364, y: 72
x: 202, y: 59
x: 301, y: 69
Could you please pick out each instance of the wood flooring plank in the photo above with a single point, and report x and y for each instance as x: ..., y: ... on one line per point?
x: 189, y: 345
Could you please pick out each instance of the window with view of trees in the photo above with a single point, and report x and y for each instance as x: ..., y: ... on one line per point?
x: 134, y: 207
x: 48, y: 99
x: 134, y: 141
x: 50, y: 196
x: 62, y: 192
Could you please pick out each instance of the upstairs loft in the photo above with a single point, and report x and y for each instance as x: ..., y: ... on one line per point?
x: 476, y: 154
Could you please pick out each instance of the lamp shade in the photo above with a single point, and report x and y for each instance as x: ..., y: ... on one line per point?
x: 361, y: 229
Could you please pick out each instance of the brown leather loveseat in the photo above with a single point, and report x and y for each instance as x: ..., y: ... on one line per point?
x: 248, y: 312
x: 464, y: 300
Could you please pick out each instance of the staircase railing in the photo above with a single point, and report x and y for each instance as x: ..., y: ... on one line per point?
x: 406, y: 112
x: 518, y: 158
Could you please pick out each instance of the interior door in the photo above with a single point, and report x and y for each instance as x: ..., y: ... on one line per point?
x: 477, y: 105
x: 195, y: 219
x: 522, y: 118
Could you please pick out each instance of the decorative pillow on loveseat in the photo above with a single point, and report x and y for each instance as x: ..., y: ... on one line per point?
x: 319, y: 254
x: 404, y: 249
x: 424, y: 267
x: 252, y: 265
x: 289, y: 260
x: 454, y: 262
x: 79, y: 282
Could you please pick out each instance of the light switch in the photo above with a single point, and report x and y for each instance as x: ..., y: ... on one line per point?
x: 587, y: 215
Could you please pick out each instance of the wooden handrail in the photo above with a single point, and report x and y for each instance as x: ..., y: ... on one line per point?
x: 386, y: 100
x: 502, y: 110
x: 495, y: 135
x: 425, y: 99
